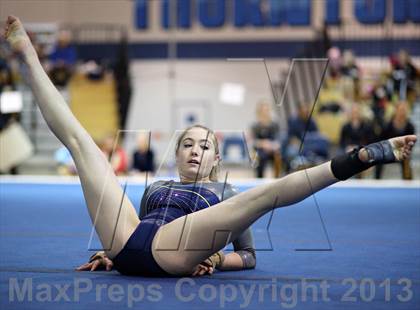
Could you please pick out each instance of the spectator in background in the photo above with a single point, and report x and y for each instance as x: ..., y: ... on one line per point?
x: 63, y: 60
x: 349, y: 67
x: 403, y: 76
x: 351, y: 75
x: 335, y: 62
x: 399, y: 125
x: 356, y: 132
x: 143, y: 156
x: 116, y: 154
x: 381, y: 95
x: 302, y: 127
x: 265, y: 134
x: 298, y: 125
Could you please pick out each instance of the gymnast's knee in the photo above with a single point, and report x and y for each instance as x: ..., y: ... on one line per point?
x: 78, y: 142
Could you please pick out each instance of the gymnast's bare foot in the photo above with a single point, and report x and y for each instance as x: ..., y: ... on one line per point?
x: 380, y: 152
x: 403, y: 146
x: 15, y: 34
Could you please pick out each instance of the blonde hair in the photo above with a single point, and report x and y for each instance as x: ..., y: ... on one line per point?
x: 214, y: 173
x: 264, y: 111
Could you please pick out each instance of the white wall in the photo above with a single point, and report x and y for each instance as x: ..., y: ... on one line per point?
x: 154, y: 93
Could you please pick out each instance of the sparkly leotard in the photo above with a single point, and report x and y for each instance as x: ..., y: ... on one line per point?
x: 163, y: 202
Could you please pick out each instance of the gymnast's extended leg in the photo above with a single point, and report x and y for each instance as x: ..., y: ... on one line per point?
x: 102, y: 192
x: 200, y: 234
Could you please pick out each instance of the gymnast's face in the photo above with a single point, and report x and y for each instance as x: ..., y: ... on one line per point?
x: 196, y: 155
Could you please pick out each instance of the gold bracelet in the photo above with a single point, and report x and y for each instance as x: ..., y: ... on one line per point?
x: 216, y: 260
x: 96, y: 256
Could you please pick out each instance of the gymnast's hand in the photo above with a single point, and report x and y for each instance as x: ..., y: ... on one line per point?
x: 208, y: 266
x: 98, y: 261
x: 202, y: 269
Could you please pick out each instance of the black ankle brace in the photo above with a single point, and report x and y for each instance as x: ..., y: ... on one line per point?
x: 348, y: 165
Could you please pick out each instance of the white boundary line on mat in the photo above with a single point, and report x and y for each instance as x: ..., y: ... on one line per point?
x: 139, y: 180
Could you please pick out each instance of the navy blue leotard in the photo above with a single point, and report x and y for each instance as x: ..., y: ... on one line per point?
x: 163, y: 202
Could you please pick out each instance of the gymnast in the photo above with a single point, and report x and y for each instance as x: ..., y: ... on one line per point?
x: 176, y: 237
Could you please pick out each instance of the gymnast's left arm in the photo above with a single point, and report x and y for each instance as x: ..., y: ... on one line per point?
x: 244, y: 256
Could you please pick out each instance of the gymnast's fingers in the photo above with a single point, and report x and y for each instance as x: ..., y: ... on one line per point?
x: 196, y: 271
x: 199, y: 270
x: 202, y: 271
x: 206, y: 270
x: 83, y: 267
x: 95, y: 265
x: 108, y: 264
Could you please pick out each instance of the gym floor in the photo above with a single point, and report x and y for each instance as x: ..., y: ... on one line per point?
x: 368, y: 256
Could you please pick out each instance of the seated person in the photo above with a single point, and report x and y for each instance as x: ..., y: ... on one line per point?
x: 356, y: 131
x: 62, y: 59
x: 265, y: 134
x: 403, y: 77
x: 350, y: 73
x: 115, y: 154
x: 143, y: 156
x: 302, y: 129
x: 399, y: 124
